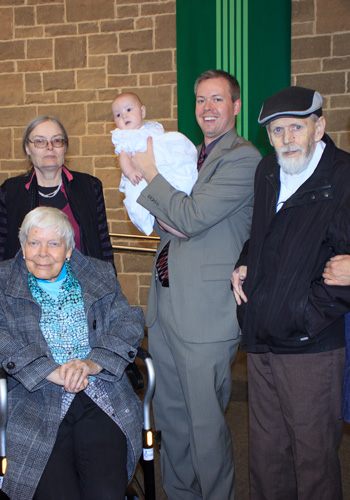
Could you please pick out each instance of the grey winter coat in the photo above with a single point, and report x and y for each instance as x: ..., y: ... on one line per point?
x: 115, y: 332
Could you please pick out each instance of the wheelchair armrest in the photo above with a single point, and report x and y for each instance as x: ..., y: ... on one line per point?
x: 143, y: 354
x: 135, y: 376
x: 134, y: 373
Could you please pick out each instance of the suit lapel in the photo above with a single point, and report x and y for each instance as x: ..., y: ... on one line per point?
x: 225, y: 144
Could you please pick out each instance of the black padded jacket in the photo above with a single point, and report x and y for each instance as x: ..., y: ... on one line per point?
x: 290, y: 309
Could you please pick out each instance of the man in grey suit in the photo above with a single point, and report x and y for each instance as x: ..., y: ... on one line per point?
x: 191, y: 314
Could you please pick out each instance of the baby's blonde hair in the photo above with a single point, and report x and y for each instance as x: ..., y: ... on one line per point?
x: 132, y: 94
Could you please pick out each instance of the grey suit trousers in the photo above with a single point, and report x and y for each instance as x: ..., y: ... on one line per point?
x: 193, y: 389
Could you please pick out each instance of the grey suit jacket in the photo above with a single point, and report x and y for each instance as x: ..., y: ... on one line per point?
x: 216, y: 219
x: 115, y: 331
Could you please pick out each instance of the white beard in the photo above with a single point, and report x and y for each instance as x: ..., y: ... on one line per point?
x: 292, y: 166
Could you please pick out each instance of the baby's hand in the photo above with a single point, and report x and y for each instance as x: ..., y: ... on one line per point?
x: 128, y: 170
x: 135, y: 178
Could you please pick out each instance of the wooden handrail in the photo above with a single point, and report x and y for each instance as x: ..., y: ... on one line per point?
x: 134, y: 249
x: 135, y: 237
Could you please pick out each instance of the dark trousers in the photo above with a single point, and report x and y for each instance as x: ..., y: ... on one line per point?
x: 88, y: 461
x: 295, y: 425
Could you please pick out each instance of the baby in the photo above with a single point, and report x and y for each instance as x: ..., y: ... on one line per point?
x: 175, y: 157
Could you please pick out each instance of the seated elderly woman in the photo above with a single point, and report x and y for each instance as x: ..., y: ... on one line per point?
x: 67, y: 334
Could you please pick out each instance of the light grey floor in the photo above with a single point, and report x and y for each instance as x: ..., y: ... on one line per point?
x: 237, y: 418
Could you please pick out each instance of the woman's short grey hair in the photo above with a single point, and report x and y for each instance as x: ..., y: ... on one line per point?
x: 48, y: 218
x: 35, y: 122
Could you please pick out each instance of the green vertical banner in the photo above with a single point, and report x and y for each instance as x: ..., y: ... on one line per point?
x: 232, y: 49
x: 250, y: 39
x: 196, y: 52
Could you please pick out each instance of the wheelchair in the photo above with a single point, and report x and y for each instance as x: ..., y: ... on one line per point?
x: 147, y: 458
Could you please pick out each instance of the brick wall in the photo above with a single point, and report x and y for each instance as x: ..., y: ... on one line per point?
x: 321, y: 59
x: 69, y: 58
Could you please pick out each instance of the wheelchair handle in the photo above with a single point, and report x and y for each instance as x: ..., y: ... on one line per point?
x: 147, y: 359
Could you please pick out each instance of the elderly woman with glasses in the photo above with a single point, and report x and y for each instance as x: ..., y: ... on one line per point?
x: 67, y: 334
x: 49, y: 183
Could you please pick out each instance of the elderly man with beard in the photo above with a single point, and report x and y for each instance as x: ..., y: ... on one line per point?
x: 292, y: 322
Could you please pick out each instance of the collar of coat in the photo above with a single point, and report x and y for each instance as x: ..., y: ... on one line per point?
x: 318, y: 186
x: 66, y: 175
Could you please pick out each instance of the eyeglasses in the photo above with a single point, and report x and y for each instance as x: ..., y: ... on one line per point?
x: 43, y: 143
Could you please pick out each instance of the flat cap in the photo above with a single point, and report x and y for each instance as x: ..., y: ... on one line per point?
x: 292, y: 101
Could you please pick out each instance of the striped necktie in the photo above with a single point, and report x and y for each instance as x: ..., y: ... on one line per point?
x: 201, y: 158
x: 162, y: 266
